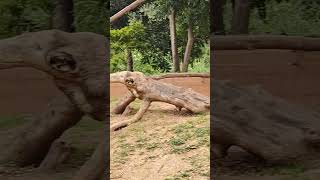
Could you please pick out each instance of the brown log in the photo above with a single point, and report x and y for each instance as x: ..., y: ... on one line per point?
x: 149, y: 90
x: 135, y: 118
x: 125, y: 10
x: 32, y: 141
x: 263, y: 125
x: 252, y: 42
x: 180, y: 75
x: 123, y: 103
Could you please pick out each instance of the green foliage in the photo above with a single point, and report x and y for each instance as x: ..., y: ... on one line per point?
x: 291, y: 17
x: 128, y: 37
x: 288, y: 17
x: 202, y: 63
x: 152, y: 48
x: 91, y: 16
x: 21, y: 16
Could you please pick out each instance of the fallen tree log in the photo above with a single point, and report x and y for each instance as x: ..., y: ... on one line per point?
x: 32, y: 141
x: 252, y: 42
x: 81, y: 75
x: 59, y: 152
x: 149, y: 90
x: 263, y: 125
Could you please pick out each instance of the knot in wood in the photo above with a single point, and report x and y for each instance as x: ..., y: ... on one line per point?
x: 130, y: 82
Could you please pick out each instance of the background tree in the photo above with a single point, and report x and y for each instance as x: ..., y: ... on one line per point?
x: 162, y: 51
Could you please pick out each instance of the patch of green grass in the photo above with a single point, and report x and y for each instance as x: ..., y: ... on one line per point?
x: 136, y: 104
x: 200, y: 164
x: 176, y: 142
x: 152, y: 146
x: 190, y: 135
x: 181, y: 175
x: 291, y: 170
x: 13, y: 121
x: 124, y: 149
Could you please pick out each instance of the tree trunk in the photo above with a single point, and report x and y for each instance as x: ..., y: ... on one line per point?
x: 263, y: 125
x: 149, y: 90
x: 216, y: 13
x: 33, y: 141
x: 187, y: 53
x: 252, y: 42
x: 240, y: 18
x: 129, y: 61
x: 62, y: 18
x: 173, y: 38
x: 125, y: 10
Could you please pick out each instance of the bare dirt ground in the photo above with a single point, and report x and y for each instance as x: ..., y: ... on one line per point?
x: 165, y: 144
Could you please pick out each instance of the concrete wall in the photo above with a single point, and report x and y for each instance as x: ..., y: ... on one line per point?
x: 24, y: 91
x: 29, y: 91
x: 274, y: 70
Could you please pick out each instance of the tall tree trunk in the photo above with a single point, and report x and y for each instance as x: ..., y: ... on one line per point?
x: 187, y: 53
x: 62, y: 18
x: 129, y: 60
x: 173, y: 37
x: 240, y: 18
x: 216, y: 13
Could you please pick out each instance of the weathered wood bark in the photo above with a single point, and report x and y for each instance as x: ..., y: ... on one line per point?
x: 136, y: 117
x: 33, y: 141
x: 59, y: 152
x: 187, y: 53
x: 125, y: 10
x: 252, y: 42
x: 149, y: 90
x: 62, y: 17
x: 263, y: 125
x: 123, y: 103
x: 240, y: 18
x: 173, y: 39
